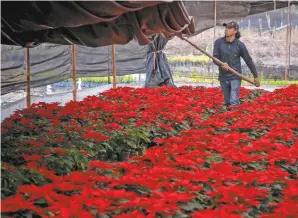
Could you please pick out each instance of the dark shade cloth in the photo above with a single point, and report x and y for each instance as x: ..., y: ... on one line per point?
x: 92, y: 24
x: 158, y: 71
x: 203, y: 11
x: 100, y: 23
x: 51, y: 63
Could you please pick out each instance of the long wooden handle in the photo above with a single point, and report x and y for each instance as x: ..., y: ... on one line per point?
x: 218, y: 61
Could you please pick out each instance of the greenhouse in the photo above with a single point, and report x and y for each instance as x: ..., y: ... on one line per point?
x: 161, y: 109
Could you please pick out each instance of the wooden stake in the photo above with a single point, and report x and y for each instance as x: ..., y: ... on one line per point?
x: 28, y: 93
x: 282, y: 18
x: 215, y: 12
x: 290, y: 30
x: 287, y: 45
x: 268, y: 20
x: 218, y: 61
x: 274, y: 4
x: 74, y: 76
x: 109, y: 79
x: 260, y: 25
x: 114, y: 65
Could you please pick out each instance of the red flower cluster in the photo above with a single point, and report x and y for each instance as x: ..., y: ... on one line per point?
x: 233, y: 164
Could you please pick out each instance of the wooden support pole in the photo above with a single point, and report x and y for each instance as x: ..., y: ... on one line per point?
x: 287, y: 45
x: 109, y: 65
x: 215, y: 12
x: 274, y: 4
x: 290, y: 30
x: 114, y: 65
x: 74, y: 75
x: 260, y: 26
x: 28, y: 93
x: 215, y: 21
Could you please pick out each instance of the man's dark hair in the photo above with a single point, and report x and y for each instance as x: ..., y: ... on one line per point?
x: 238, y: 34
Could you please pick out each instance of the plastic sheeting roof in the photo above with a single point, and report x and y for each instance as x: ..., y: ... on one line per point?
x: 203, y: 11
x: 101, y: 23
x: 46, y: 22
x: 93, y: 24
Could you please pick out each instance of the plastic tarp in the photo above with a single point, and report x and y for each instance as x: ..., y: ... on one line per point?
x: 51, y: 63
x: 203, y: 11
x: 92, y: 24
x: 158, y: 71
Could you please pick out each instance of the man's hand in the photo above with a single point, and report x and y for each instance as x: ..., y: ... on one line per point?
x: 257, y: 82
x: 225, y: 66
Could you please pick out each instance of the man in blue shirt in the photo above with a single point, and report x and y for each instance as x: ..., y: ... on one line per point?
x: 229, y: 49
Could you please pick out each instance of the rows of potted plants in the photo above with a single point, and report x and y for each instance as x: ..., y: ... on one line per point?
x: 208, y: 162
x: 105, y: 126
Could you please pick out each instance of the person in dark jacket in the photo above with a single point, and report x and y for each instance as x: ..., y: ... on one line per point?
x: 229, y: 49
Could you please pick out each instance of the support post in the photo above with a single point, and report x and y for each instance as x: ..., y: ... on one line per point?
x: 215, y: 12
x: 290, y: 29
x: 274, y: 4
x: 109, y: 66
x: 260, y: 26
x: 28, y: 93
x: 282, y: 18
x: 114, y: 65
x: 74, y: 73
x: 288, y: 44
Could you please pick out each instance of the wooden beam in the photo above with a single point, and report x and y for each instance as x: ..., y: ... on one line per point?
x: 274, y: 4
x: 214, y: 36
x: 28, y: 93
x: 287, y: 44
x: 74, y: 73
x: 114, y: 65
x: 290, y: 30
x: 215, y: 21
x: 109, y: 65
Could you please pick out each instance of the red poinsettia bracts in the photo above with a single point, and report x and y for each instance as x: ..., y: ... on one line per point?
x: 207, y: 162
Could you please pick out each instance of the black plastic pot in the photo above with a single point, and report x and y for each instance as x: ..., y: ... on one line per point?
x: 102, y: 156
x: 140, y: 152
x: 123, y: 155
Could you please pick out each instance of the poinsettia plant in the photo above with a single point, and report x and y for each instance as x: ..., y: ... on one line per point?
x: 206, y: 162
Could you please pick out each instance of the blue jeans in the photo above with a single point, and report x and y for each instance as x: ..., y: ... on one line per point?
x: 230, y: 90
